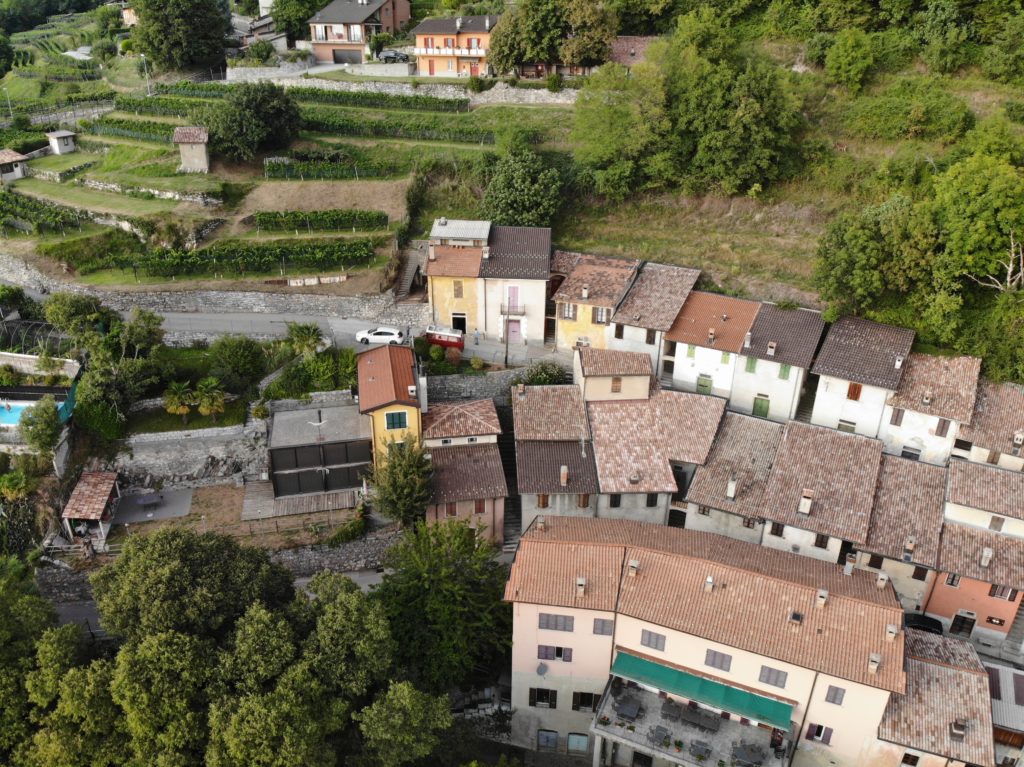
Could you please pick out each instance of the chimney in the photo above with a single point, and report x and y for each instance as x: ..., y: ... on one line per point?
x: 890, y: 632
x: 521, y: 390
x: 709, y: 585
x: 486, y: 251
x: 458, y: 24
x: 730, y: 490
x: 634, y: 478
x: 821, y: 599
x: 958, y: 728
x: 882, y: 580
x: 487, y: 23
x: 851, y: 560
x: 927, y: 398
x: 541, y: 525
x: 806, y: 499
x: 772, y: 346
x: 1018, y: 438
x: 563, y: 476
x: 725, y: 318
x: 874, y: 661
x: 746, y: 340
x: 899, y: 362
x: 581, y: 586
x: 634, y: 566
x: 711, y: 336
x: 986, y: 556
x: 412, y: 391
x: 585, y: 291
x: 442, y: 221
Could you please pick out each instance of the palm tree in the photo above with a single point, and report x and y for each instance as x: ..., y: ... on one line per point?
x: 304, y: 339
x: 347, y: 364
x: 179, y: 399
x: 210, y: 397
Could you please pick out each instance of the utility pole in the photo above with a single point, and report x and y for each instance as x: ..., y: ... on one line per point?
x: 145, y: 68
x: 10, y: 110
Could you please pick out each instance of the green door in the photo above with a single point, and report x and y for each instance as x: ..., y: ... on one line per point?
x: 703, y: 384
x: 761, y: 407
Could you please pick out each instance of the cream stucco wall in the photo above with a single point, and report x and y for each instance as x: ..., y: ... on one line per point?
x: 491, y: 521
x: 783, y: 393
x: 382, y: 435
x: 913, y: 594
x: 917, y: 431
x: 832, y: 405
x: 599, y: 388
x: 979, y: 454
x: 635, y: 340
x: 444, y: 304
x: 705, y: 361
x: 559, y: 505
x: 969, y: 515
x: 453, y: 441
x: 634, y: 506
x: 568, y: 332
x: 194, y: 158
x: 799, y: 541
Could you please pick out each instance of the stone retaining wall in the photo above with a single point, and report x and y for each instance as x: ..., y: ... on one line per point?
x: 494, y: 385
x: 162, y: 194
x: 363, y: 554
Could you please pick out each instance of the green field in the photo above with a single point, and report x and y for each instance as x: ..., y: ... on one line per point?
x: 91, y: 199
x: 62, y: 162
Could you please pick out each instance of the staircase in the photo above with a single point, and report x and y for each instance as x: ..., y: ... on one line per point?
x: 513, y: 508
x: 1013, y: 645
x: 805, y: 406
x: 412, y: 263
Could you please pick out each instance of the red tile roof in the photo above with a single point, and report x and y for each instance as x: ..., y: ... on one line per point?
x: 90, y: 497
x: 454, y: 261
x: 607, y: 362
x: 730, y: 318
x: 945, y: 387
x: 538, y: 467
x: 385, y: 375
x: 909, y: 501
x: 986, y: 487
x: 963, y: 548
x: 860, y: 350
x: 656, y: 297
x: 191, y: 135
x: 468, y: 418
x: 549, y: 413
x: 605, y: 281
x: 998, y: 416
x: 466, y: 473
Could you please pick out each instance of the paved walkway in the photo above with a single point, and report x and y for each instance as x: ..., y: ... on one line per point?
x: 175, y: 503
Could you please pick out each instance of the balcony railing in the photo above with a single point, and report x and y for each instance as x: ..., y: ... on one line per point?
x: 479, y: 52
x: 513, y: 310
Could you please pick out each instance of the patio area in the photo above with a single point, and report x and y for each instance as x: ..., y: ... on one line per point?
x: 670, y: 729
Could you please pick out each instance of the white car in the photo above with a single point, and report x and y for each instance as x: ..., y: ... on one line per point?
x: 380, y: 336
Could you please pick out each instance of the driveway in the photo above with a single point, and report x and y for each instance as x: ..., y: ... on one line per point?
x: 174, y: 503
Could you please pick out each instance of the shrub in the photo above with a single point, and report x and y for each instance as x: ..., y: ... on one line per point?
x: 909, y: 109
x: 421, y: 346
x: 475, y: 84
x: 429, y: 127
x: 352, y: 530
x: 260, y: 410
x: 436, y: 352
x: 543, y: 373
x: 477, y: 363
x: 1014, y: 111
x: 321, y: 219
x: 453, y: 356
x: 238, y: 361
x: 848, y: 61
x: 555, y: 83
x: 817, y: 48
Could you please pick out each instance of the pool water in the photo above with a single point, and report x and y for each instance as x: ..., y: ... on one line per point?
x: 13, y: 416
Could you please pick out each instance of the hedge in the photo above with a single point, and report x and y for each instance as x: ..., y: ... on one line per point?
x: 282, y: 167
x: 17, y: 210
x: 330, y: 220
x: 137, y: 129
x: 21, y: 141
x: 418, y: 127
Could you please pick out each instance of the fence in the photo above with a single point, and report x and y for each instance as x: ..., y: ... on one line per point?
x: 65, y: 113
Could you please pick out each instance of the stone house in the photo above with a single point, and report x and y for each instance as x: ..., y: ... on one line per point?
x: 995, y: 432
x: 589, y: 297
x: 192, y: 143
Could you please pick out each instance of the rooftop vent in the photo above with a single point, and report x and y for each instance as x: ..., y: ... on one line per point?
x: 986, y: 556
x: 711, y: 336
x: 585, y: 291
x: 795, y: 617
x: 581, y: 586
x: 563, y: 476
x: 958, y: 728
x: 634, y: 479
x: 772, y: 346
x: 822, y: 598
x: 890, y: 632
x: 806, y: 499
x: 634, y: 567
x: 730, y: 489
x: 927, y: 398
x: 874, y: 661
x: 899, y: 362
x: 709, y: 585
x: 486, y: 252
x: 746, y: 340
x: 541, y: 525
x: 636, y: 318
x: 882, y: 580
x: 412, y: 391
x: 1018, y: 438
x: 725, y: 318
x: 908, y: 549
x: 442, y: 221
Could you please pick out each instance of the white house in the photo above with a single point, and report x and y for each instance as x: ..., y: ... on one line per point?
x: 704, y: 342
x: 936, y: 395
x: 995, y: 433
x: 62, y: 141
x: 604, y: 375
x: 12, y: 165
x: 772, y: 368
x: 859, y: 366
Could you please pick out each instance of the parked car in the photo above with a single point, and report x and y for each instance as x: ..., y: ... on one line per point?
x: 393, y: 57
x: 923, y: 623
x: 380, y: 336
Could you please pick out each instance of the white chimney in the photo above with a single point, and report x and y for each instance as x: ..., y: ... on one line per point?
x: 412, y: 391
x: 822, y: 598
x: 563, y: 476
x: 581, y: 586
x: 585, y: 291
x: 772, y: 346
x: 986, y: 556
x: 958, y: 728
x: 851, y: 560
x: 899, y: 362
x: 746, y: 340
x: 874, y: 661
x: 458, y: 23
x: 730, y: 489
x: 711, y: 336
x: 709, y: 585
x: 634, y: 567
x: 1018, y: 438
x: 487, y: 23
x: 486, y: 252
x: 927, y: 398
x: 541, y: 525
x: 634, y: 478
x: 806, y: 499
x: 882, y: 580
x: 890, y: 632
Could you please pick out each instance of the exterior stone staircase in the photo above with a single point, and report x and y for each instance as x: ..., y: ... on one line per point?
x: 513, y: 509
x: 413, y: 262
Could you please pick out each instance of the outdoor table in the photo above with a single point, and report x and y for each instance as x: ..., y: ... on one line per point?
x: 700, y: 749
x: 151, y: 501
x: 670, y: 710
x: 748, y: 754
x: 628, y: 709
x: 658, y: 735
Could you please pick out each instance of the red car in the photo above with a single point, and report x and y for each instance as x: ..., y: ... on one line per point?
x: 442, y: 336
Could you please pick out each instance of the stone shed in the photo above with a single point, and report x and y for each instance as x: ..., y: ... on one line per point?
x: 192, y: 143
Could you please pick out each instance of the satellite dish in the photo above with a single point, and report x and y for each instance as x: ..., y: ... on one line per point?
x: 542, y: 669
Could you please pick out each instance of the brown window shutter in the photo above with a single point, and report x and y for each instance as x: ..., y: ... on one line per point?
x: 810, y: 729
x: 575, y: 701
x: 593, y: 315
x: 897, y: 416
x: 943, y: 428
x: 552, y: 699
x: 826, y: 737
x: 853, y: 392
x: 575, y: 310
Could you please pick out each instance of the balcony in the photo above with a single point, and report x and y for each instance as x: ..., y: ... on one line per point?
x: 513, y: 310
x: 474, y: 52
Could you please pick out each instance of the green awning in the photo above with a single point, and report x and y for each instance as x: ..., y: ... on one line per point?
x: 721, y: 696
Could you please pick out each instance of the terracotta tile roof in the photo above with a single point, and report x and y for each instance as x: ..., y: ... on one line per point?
x: 755, y: 587
x: 549, y: 413
x: 563, y: 261
x: 607, y: 362
x: 839, y: 469
x: 89, y: 498
x: 998, y: 416
x: 938, y: 693
x: 454, y: 261
x: 909, y: 500
x: 635, y: 440
x: 743, y: 451
x: 657, y: 296
x: 627, y: 50
x: 466, y: 472
x: 604, y: 279
x: 469, y: 418
x: 538, y: 466
x: 9, y: 155
x: 730, y: 318
x: 962, y: 549
x: 860, y: 350
x: 192, y: 134
x: 986, y: 487
x: 1004, y: 681
x: 545, y: 573
x: 945, y: 387
x: 518, y: 252
x: 795, y: 333
x: 385, y: 375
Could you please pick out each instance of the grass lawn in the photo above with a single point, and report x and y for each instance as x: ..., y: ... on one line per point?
x: 148, y: 421
x: 164, y: 119
x: 92, y: 199
x: 340, y: 74
x: 62, y: 162
x: 184, y: 363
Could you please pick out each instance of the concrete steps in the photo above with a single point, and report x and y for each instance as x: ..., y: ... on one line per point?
x: 412, y: 263
x: 513, y: 509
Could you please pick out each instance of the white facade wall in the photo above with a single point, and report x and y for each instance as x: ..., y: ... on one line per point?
x: 634, y: 506
x: 783, y: 394
x: 798, y: 541
x: 832, y: 405
x: 1006, y: 460
x: 453, y: 441
x: 561, y: 505
x: 912, y: 593
x: 968, y: 515
x: 635, y: 340
x: 722, y: 523
x: 917, y: 431
x: 531, y: 296
x: 705, y: 361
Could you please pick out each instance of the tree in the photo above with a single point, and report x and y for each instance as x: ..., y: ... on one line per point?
x: 403, y: 725
x: 262, y: 648
x: 1004, y: 59
x: 522, y: 191
x: 543, y: 26
x: 141, y: 333
x: 16, y: 486
x: 253, y: 117
x: 849, y: 59
x: 238, y: 361
x: 443, y: 595
x: 76, y: 314
x: 179, y: 399
x: 379, y: 42
x: 591, y: 29
x: 401, y: 482
x: 210, y: 397
x: 177, y: 580
x: 177, y: 34
x: 304, y: 338
x: 6, y: 54
x: 292, y: 16
x: 945, y: 34
x: 348, y: 362
x: 508, y: 47
x: 40, y: 426
x: 108, y: 18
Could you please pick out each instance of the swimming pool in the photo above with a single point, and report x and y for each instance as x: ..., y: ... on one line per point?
x: 13, y: 416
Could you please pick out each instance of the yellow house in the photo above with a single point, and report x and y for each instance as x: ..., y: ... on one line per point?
x: 389, y: 393
x: 586, y: 301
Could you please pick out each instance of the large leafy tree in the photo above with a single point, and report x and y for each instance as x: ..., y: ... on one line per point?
x: 293, y: 16
x: 443, y: 595
x: 238, y: 361
x: 40, y: 425
x: 253, y: 117
x: 522, y: 191
x: 403, y: 725
x: 591, y: 27
x: 401, y: 482
x: 177, y: 34
x: 849, y: 59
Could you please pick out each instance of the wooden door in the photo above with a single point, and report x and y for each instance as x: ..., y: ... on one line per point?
x: 430, y: 66
x: 514, y: 333
x: 761, y: 407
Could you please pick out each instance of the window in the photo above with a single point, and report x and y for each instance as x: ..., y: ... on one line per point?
x: 652, y: 500
x: 599, y: 315
x: 451, y: 510
x: 896, y: 419
x: 993, y: 457
x: 582, y: 501
x: 704, y: 511
x: 920, y: 573
x: 578, y: 743
x: 911, y: 452
x: 835, y: 695
x: 568, y: 311
x: 618, y: 331
x: 995, y: 523
x: 542, y: 698
x: 319, y: 34
x: 446, y: 442
x: 726, y: 357
x: 603, y: 626
x: 875, y: 562
x: 777, y: 529
x: 449, y: 42
x: 451, y: 65
x: 547, y: 740
x: 397, y: 420
x: 995, y: 621
x: 1003, y: 592
x: 819, y: 733
x: 847, y: 426
x: 585, y: 701
x: 471, y: 439
x: 670, y: 348
x: 652, y: 640
x: 651, y: 337
x: 751, y: 364
x: 691, y: 351
x: 784, y: 372
x: 616, y: 384
x: 952, y: 579
x: 555, y: 622
x: 478, y: 506
x: 773, y: 676
x: 821, y: 541
x: 548, y: 652
x: 853, y: 391
x: 962, y: 444
x: 718, y: 660
x: 942, y: 428
x: 614, y: 500
x: 457, y: 288
x: 542, y: 501
x: 750, y: 522
x: 909, y: 759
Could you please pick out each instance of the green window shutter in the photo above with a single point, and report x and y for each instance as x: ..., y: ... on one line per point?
x: 784, y: 372
x: 751, y: 364
x: 691, y: 351
x: 725, y: 358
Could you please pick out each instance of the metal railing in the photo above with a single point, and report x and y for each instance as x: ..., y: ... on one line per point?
x: 515, y: 310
